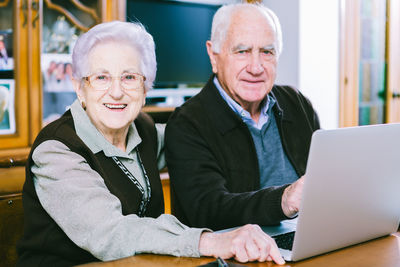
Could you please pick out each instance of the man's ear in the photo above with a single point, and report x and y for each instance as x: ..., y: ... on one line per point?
x: 212, y: 56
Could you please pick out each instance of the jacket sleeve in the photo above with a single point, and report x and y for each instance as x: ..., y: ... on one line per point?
x: 77, y: 199
x: 201, y: 189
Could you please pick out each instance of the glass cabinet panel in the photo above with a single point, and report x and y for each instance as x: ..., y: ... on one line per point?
x: 7, y: 84
x: 36, y: 41
x: 63, y: 22
x: 372, y: 62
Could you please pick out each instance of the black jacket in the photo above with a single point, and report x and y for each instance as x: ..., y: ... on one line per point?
x: 212, y: 160
x: 44, y: 243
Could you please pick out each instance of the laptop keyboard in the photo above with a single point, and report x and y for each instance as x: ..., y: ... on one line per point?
x: 285, y: 241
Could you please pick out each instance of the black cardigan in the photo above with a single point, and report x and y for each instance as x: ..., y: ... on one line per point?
x: 212, y: 160
x: 44, y: 243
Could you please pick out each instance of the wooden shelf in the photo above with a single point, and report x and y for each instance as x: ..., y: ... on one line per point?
x: 156, y: 109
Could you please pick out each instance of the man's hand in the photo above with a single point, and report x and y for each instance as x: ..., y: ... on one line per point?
x: 247, y: 243
x: 291, y: 198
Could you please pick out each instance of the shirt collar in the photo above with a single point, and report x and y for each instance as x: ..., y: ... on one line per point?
x: 266, y: 106
x: 96, y: 142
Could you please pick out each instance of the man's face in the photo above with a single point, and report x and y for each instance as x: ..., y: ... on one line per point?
x: 246, y: 64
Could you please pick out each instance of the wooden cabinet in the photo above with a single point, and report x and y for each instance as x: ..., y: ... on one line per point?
x: 27, y: 27
x: 35, y: 33
x: 369, y: 71
x: 16, y: 103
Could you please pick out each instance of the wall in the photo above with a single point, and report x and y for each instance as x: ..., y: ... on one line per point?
x: 288, y: 14
x: 319, y: 57
x: 310, y: 58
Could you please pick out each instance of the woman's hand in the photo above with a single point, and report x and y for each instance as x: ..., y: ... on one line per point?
x: 247, y: 243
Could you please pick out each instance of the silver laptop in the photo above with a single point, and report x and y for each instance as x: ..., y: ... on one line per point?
x: 351, y: 191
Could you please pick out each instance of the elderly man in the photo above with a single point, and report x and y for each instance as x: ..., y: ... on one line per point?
x: 235, y: 151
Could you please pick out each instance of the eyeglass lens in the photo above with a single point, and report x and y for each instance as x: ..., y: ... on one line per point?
x: 103, y: 81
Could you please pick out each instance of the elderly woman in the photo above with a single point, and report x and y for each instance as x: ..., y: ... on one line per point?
x: 92, y: 189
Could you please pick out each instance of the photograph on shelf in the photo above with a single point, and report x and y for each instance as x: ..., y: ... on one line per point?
x: 58, y: 92
x: 7, y: 110
x: 6, y: 53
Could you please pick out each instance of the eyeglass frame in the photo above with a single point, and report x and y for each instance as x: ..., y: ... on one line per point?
x: 87, y: 79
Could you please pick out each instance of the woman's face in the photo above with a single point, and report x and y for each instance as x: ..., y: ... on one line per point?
x: 115, y: 108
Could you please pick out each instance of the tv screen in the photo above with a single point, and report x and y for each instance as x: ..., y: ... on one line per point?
x: 180, y: 31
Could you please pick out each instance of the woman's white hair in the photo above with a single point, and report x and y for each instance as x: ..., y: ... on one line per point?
x: 132, y: 33
x: 222, y: 21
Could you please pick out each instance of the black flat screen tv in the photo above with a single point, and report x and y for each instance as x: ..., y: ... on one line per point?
x: 180, y: 31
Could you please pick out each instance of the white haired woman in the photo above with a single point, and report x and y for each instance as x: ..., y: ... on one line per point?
x: 92, y: 189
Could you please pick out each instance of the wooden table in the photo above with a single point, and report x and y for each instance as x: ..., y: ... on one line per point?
x: 382, y: 252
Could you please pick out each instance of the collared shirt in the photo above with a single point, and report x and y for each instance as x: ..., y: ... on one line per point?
x: 274, y: 166
x: 244, y: 114
x: 97, y: 142
x: 78, y: 200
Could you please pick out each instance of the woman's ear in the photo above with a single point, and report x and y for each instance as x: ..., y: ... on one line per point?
x: 79, y: 91
x: 77, y: 86
x: 144, y: 97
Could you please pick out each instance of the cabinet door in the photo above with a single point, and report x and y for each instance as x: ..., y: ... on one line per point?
x: 14, y: 108
x: 369, y: 82
x: 372, y: 64
x: 33, y: 34
x: 62, y: 23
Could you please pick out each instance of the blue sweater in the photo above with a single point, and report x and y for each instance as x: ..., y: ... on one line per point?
x: 275, y: 168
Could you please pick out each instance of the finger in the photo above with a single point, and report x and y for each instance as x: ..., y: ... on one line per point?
x: 263, y: 244
x: 274, y: 253
x: 240, y: 251
x: 252, y: 249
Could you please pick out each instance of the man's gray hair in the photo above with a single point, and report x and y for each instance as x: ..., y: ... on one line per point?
x: 222, y: 21
x: 131, y: 33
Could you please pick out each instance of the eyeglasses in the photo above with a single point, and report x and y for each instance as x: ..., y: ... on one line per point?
x: 103, y: 81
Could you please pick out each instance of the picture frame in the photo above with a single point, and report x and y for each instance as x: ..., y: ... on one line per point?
x: 6, y: 51
x: 58, y: 91
x: 7, y: 107
x: 57, y: 72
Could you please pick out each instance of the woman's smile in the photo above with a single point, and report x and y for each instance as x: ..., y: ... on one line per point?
x: 115, y: 107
